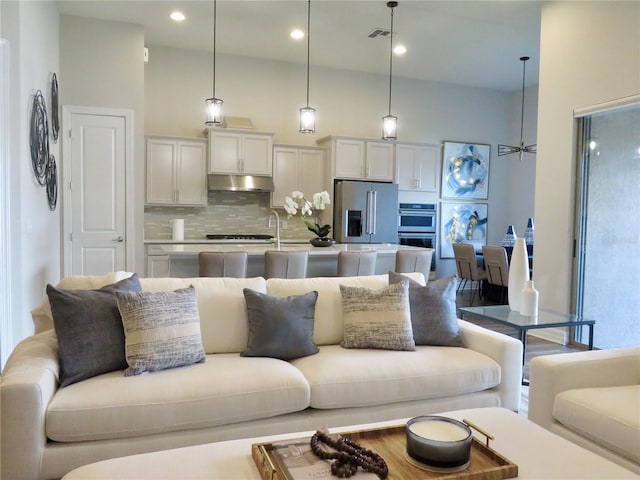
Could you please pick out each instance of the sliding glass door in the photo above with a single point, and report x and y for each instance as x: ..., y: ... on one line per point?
x: 607, y: 273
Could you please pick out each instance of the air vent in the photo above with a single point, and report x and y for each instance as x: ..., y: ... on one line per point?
x: 379, y: 32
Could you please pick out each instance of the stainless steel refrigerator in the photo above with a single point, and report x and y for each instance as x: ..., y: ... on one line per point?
x: 365, y: 212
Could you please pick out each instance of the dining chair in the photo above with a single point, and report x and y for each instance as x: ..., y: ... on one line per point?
x: 497, y: 268
x: 414, y: 261
x: 467, y: 268
x: 223, y: 264
x: 285, y: 264
x: 351, y: 264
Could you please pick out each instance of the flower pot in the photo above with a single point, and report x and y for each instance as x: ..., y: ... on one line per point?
x: 322, y: 241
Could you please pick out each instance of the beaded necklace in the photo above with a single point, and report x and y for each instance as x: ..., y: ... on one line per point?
x: 348, y: 456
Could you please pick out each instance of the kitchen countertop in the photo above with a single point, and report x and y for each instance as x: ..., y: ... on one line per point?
x: 253, y: 249
x: 206, y: 241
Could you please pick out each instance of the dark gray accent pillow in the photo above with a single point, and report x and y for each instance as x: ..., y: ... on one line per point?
x: 280, y: 327
x: 433, y: 311
x: 89, y: 330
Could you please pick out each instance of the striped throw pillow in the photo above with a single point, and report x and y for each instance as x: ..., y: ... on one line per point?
x: 162, y: 330
x: 377, y: 318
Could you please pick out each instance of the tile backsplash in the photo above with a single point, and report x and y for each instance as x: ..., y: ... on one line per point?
x: 226, y: 212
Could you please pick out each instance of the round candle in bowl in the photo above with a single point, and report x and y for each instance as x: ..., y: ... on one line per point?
x: 439, y: 442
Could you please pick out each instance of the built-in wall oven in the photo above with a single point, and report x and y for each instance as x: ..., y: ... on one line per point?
x: 417, y: 226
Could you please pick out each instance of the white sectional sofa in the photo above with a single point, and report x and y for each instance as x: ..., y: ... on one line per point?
x: 591, y: 398
x: 48, y: 431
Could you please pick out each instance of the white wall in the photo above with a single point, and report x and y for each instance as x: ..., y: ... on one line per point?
x: 348, y: 103
x: 32, y: 30
x: 590, y: 54
x: 102, y: 66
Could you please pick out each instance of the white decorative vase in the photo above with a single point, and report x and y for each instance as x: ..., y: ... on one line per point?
x: 518, y: 274
x: 530, y: 296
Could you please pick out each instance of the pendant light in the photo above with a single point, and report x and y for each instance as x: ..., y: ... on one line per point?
x: 308, y: 114
x: 214, y: 105
x: 521, y: 149
x: 389, y: 122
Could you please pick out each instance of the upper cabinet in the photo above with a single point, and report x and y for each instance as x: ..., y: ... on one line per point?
x: 176, y: 171
x: 418, y: 167
x: 240, y: 152
x: 296, y: 168
x: 359, y: 159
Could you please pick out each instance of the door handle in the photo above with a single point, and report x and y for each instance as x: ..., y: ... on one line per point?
x: 119, y: 239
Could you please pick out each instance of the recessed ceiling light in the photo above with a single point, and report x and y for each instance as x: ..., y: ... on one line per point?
x: 400, y: 50
x: 297, y: 34
x: 177, y: 16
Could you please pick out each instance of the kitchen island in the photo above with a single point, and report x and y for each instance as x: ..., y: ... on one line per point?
x: 183, y: 258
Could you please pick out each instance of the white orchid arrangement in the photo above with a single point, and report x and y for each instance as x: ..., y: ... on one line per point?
x: 313, y: 208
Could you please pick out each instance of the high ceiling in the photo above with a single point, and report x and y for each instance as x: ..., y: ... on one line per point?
x: 473, y: 43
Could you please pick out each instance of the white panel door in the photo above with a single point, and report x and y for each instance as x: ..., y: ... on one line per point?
x: 349, y: 158
x: 98, y: 216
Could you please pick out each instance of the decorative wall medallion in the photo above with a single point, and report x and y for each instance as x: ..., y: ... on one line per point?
x: 51, y: 186
x: 55, y: 119
x: 39, y: 138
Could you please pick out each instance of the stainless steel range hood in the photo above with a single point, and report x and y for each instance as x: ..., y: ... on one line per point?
x: 240, y: 183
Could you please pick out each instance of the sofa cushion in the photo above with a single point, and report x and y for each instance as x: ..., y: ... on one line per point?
x: 608, y: 416
x: 377, y: 318
x: 342, y: 377
x: 280, y: 327
x: 89, y: 330
x: 42, y: 316
x: 225, y: 389
x: 162, y: 330
x: 221, y: 306
x: 328, y: 328
x: 433, y: 311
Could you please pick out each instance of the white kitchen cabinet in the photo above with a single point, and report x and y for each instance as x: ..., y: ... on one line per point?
x: 418, y: 167
x: 176, y: 171
x: 235, y: 152
x: 359, y: 159
x: 157, y: 262
x: 296, y: 168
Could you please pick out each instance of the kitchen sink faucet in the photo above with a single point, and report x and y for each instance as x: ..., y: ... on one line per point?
x: 271, y: 214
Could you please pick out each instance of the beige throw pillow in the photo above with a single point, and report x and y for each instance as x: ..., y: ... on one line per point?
x: 161, y: 329
x: 377, y: 318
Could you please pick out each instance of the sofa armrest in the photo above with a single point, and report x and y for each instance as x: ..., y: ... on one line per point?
x: 29, y: 381
x: 506, y: 351
x: 552, y: 374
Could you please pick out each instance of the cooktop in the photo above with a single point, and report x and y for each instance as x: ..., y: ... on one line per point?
x: 239, y: 236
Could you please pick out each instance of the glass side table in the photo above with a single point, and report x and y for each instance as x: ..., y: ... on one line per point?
x: 502, y: 314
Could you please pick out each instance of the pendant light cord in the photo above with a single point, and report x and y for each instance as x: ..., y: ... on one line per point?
x: 390, y: 60
x: 214, y: 47
x: 524, y: 65
x: 308, y: 43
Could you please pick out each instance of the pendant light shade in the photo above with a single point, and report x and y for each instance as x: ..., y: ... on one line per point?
x: 389, y: 122
x: 215, y: 115
x: 308, y: 114
x: 521, y: 148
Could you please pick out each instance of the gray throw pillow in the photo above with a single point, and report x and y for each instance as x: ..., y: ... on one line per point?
x: 377, y: 318
x: 433, y: 311
x: 280, y: 327
x: 161, y: 329
x: 89, y: 330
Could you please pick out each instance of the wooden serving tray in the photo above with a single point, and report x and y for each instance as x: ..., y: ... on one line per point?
x: 390, y: 444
